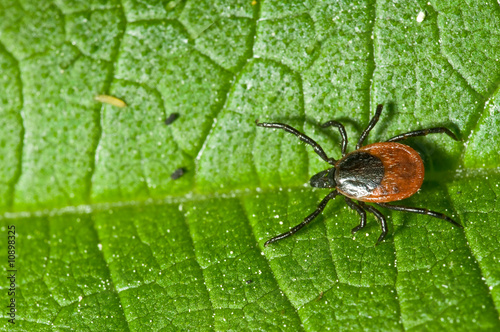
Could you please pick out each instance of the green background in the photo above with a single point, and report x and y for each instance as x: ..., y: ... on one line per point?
x: 106, y: 240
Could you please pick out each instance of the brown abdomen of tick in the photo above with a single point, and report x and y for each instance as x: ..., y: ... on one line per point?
x: 391, y: 172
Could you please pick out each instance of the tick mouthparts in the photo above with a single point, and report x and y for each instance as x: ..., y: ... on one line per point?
x: 324, y: 179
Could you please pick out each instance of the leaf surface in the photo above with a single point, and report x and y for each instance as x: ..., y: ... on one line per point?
x: 106, y: 239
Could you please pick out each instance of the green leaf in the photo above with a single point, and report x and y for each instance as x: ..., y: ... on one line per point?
x: 107, y: 240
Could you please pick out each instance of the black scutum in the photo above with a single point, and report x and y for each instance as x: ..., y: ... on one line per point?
x: 358, y: 174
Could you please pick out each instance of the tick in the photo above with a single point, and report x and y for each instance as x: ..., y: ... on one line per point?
x: 376, y: 173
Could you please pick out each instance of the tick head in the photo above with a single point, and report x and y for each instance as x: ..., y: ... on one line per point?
x: 325, y: 179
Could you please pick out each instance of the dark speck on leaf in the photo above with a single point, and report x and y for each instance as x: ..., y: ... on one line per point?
x: 171, y: 118
x: 178, y: 173
x: 249, y: 282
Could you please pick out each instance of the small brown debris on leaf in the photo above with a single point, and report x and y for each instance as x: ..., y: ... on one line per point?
x: 177, y: 173
x: 171, y: 118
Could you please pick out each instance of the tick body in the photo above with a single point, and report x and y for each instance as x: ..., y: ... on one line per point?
x: 380, y: 172
x: 377, y: 173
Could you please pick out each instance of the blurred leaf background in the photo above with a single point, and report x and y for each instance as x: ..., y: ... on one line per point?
x: 106, y: 240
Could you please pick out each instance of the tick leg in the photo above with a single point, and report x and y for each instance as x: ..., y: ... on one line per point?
x: 307, y: 220
x: 304, y: 138
x: 341, y: 129
x: 420, y: 211
x: 361, y: 212
x: 380, y: 217
x: 372, y: 124
x: 423, y: 132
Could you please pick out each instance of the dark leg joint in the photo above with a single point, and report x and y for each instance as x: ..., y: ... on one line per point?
x: 307, y: 220
x: 372, y: 124
x: 342, y: 131
x: 423, y: 132
x: 361, y: 213
x: 420, y: 211
x: 303, y: 137
x: 380, y: 217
